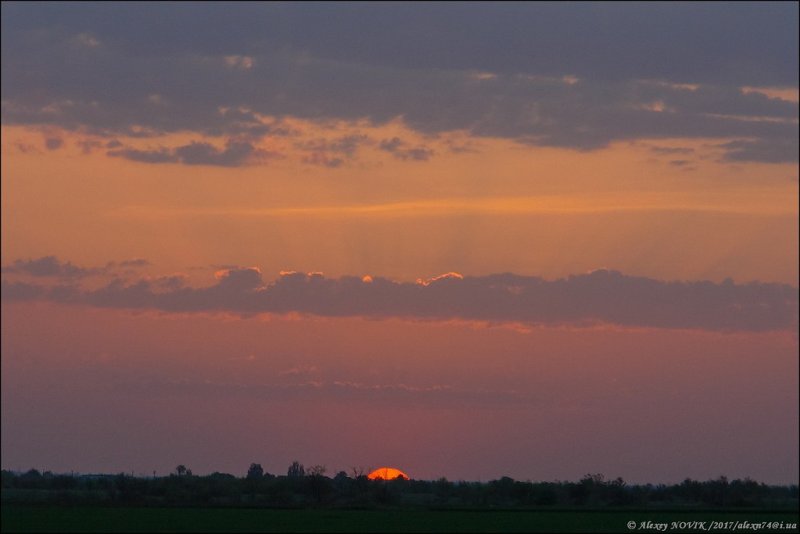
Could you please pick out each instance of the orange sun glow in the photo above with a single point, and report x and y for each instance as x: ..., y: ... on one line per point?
x: 387, y: 473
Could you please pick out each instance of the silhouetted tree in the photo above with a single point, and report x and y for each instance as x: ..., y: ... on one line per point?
x: 318, y: 483
x: 181, y: 471
x: 357, y: 472
x: 316, y: 470
x: 8, y: 479
x: 256, y: 472
x: 342, y: 482
x: 443, y: 488
x: 313, y: 488
x: 296, y: 470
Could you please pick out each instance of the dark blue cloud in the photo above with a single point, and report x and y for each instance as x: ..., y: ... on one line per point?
x: 490, y: 69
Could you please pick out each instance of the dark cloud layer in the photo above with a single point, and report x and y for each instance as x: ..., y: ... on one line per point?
x: 718, y: 43
x: 573, y: 75
x: 601, y: 296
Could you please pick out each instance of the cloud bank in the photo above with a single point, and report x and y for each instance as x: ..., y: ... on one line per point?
x: 578, y: 76
x: 599, y: 297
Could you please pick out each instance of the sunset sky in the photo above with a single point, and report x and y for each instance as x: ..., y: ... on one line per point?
x: 463, y: 239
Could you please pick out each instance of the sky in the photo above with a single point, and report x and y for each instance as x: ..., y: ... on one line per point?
x: 467, y: 240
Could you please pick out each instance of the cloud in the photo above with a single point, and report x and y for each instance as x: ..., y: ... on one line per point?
x: 461, y: 148
x: 49, y: 266
x: 26, y: 148
x: 239, y: 62
x: 160, y: 155
x: 400, y: 149
x: 172, y: 282
x: 670, y: 150
x: 135, y: 262
x: 599, y: 297
x: 728, y: 44
x: 300, y: 370
x: 239, y: 279
x: 336, y: 390
x: 52, y: 267
x: 89, y: 145
x: 86, y: 39
x: 580, y: 88
x: 235, y: 154
x: 53, y: 143
x: 347, y: 144
x: 764, y: 151
x: 21, y: 291
x: 332, y: 152
x: 323, y: 160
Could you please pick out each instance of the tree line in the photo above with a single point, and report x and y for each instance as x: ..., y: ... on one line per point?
x: 311, y: 487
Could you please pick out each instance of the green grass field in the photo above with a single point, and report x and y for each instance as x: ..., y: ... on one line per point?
x: 33, y: 518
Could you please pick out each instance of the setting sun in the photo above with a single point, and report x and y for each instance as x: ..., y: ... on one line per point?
x: 387, y: 473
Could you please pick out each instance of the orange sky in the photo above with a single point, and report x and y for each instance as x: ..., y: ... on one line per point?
x: 402, y: 393
x: 505, y: 207
x: 223, y: 235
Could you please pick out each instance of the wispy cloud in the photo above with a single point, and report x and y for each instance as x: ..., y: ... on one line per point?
x: 439, y: 395
x: 773, y: 204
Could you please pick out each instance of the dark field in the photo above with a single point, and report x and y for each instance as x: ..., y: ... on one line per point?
x: 35, y: 518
